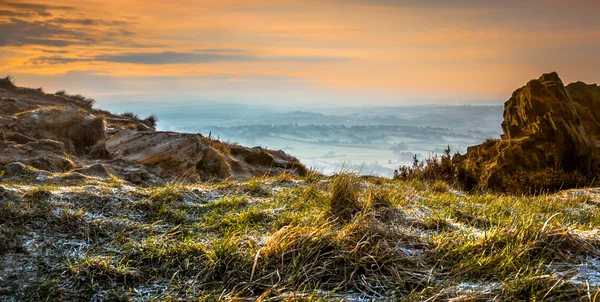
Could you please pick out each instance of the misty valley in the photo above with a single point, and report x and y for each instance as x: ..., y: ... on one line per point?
x: 369, y: 140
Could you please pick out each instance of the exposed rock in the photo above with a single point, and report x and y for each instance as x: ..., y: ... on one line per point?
x: 14, y: 169
x: 135, y: 173
x: 93, y: 170
x: 18, y: 138
x: 72, y: 176
x: 196, y: 157
x: 78, y: 129
x: 44, y: 154
x: 134, y: 177
x: 9, y: 109
x: 99, y: 151
x: 58, y: 133
x: 546, y: 126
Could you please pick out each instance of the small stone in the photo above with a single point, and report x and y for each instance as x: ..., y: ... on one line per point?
x: 19, y: 138
x: 134, y: 177
x: 93, y: 170
x: 15, y: 168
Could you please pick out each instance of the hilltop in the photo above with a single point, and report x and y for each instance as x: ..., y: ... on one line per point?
x: 101, y: 206
x: 63, y: 137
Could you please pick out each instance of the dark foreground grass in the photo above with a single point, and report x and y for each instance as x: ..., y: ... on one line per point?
x: 281, y: 239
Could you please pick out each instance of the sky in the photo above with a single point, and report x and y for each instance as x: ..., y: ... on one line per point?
x: 353, y: 52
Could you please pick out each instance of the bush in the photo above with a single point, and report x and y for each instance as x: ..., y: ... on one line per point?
x: 83, y: 134
x: 77, y: 99
x: 452, y: 171
x: 7, y: 82
x: 131, y: 115
x: 448, y: 169
x: 151, y: 121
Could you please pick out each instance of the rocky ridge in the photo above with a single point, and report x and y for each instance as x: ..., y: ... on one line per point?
x: 53, y: 137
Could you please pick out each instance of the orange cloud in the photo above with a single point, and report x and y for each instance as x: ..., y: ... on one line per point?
x: 431, y: 49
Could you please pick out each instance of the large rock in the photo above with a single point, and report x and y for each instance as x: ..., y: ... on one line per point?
x: 59, y: 133
x: 78, y: 129
x: 193, y: 156
x: 97, y: 170
x: 546, y: 126
x: 18, y: 138
x: 15, y: 168
x: 44, y: 154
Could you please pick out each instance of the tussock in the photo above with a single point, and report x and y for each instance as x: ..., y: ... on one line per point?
x: 344, y: 203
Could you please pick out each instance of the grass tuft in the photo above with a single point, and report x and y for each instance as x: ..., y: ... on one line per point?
x: 345, y: 190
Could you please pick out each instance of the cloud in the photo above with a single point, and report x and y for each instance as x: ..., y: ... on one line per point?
x: 199, y: 57
x: 55, y: 32
x: 23, y: 9
x: 17, y: 32
x: 170, y: 57
x: 11, y: 13
x: 34, y: 6
x: 87, y: 22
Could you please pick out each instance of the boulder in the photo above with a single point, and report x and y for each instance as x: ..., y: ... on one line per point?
x: 193, y: 156
x: 9, y: 109
x: 76, y: 128
x: 546, y: 126
x: 14, y: 169
x: 18, y: 138
x: 44, y: 154
x: 97, y: 170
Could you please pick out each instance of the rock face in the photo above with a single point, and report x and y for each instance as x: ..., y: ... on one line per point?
x: 58, y: 134
x: 194, y: 156
x: 546, y: 126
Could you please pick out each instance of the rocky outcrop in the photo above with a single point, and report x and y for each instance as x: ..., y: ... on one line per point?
x: 44, y: 154
x: 63, y: 134
x: 78, y: 129
x: 546, y: 126
x: 196, y: 157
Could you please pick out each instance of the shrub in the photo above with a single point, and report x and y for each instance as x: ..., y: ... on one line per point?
x: 151, y: 121
x: 131, y: 115
x: 447, y: 169
x: 83, y: 134
x: 377, y: 199
x: 7, y: 82
x: 452, y: 171
x: 77, y: 99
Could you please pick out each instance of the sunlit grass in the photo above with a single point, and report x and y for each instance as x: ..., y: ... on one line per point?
x: 283, y: 238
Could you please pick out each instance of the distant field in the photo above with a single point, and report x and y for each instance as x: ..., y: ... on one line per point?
x: 372, y: 140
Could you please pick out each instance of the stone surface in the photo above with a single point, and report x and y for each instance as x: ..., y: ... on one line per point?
x: 14, y: 169
x: 97, y: 170
x: 546, y: 125
x: 18, y: 138
x: 196, y: 157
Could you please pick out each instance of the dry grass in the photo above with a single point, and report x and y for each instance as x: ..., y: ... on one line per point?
x: 78, y: 99
x: 345, y: 190
x: 275, y: 240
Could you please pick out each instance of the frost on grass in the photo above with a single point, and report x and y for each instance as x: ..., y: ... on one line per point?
x: 345, y: 239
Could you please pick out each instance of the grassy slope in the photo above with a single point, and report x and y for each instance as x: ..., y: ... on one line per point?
x: 287, y: 239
